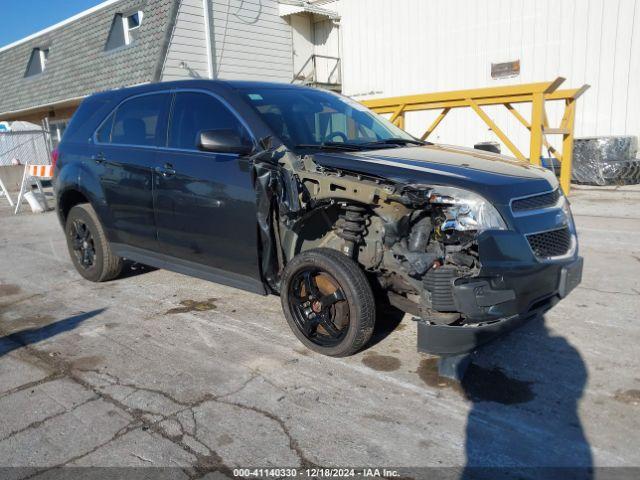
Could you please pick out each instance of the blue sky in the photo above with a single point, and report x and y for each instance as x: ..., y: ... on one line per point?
x: 19, y: 18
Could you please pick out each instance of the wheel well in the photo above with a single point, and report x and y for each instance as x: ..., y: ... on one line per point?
x: 320, y: 222
x: 68, y: 200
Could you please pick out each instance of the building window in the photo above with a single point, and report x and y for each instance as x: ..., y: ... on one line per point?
x: 124, y: 30
x: 37, y: 61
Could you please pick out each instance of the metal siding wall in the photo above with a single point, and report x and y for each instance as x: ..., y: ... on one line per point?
x: 251, y: 41
x: 188, y: 44
x: 396, y: 47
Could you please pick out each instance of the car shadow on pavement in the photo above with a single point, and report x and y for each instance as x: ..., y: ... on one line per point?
x: 524, y: 421
x: 133, y: 269
x: 388, y: 319
x: 29, y: 336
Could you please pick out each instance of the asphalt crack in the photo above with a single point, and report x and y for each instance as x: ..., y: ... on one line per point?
x: 26, y: 386
x: 205, y: 463
x: 41, y: 422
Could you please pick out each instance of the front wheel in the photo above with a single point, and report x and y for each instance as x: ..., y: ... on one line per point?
x: 328, y: 302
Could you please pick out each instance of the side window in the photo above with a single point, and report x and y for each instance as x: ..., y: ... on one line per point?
x: 136, y: 120
x: 103, y: 135
x: 194, y: 112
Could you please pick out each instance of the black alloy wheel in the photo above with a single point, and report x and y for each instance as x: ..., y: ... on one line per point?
x: 83, y: 244
x: 88, y: 246
x: 328, y: 302
x: 319, y: 307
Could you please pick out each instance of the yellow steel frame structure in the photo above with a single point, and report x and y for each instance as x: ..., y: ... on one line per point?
x: 537, y: 94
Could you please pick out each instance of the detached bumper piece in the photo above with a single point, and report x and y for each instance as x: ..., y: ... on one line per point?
x: 491, y: 312
x: 456, y: 340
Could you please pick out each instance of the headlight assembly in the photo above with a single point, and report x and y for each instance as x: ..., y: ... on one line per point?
x: 465, y: 211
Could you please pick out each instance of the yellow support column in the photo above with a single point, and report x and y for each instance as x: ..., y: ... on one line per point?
x: 567, y: 146
x: 537, y: 115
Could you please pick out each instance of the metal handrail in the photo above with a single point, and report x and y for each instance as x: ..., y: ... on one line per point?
x: 314, y: 71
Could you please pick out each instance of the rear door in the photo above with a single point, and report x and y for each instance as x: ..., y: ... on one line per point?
x: 205, y: 201
x: 125, y: 153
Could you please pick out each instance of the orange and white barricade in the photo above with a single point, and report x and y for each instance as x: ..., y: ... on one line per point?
x: 34, y: 174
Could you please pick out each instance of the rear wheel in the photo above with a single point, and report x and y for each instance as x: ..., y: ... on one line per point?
x: 328, y: 302
x: 88, y: 245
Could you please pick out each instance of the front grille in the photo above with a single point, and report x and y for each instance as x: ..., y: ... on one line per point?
x: 550, y: 244
x: 536, y: 202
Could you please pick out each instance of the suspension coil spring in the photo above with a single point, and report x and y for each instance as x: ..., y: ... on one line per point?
x: 351, y: 226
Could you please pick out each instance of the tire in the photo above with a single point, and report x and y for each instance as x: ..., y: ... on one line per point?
x: 350, y: 309
x: 101, y: 265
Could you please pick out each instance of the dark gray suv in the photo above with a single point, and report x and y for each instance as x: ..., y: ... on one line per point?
x: 307, y: 194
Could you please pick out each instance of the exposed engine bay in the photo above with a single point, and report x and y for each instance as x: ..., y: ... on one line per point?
x: 413, y: 240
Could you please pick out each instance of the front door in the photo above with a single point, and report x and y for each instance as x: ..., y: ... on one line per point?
x: 124, y: 157
x: 205, y: 201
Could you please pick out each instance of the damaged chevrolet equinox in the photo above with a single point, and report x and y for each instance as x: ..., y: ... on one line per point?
x: 306, y: 194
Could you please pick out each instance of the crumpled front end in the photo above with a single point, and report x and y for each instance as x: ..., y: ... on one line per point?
x: 467, y: 268
x: 522, y: 272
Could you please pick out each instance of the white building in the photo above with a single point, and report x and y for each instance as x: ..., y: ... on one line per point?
x: 399, y: 47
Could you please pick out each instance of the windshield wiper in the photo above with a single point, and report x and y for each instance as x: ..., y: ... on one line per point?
x: 397, y: 141
x: 331, y: 146
x: 351, y: 147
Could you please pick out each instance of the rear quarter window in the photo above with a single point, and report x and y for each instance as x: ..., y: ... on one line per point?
x: 135, y: 122
x: 86, y: 118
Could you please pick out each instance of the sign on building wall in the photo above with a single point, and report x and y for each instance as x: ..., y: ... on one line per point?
x: 505, y: 69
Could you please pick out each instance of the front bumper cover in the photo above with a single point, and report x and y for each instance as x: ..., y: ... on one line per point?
x: 457, y: 340
x: 496, y: 303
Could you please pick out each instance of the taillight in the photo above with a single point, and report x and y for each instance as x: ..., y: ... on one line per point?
x: 54, y: 158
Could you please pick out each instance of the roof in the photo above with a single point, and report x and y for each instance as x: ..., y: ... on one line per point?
x: 201, y: 83
x: 77, y: 64
x: 291, y: 7
x: 59, y: 24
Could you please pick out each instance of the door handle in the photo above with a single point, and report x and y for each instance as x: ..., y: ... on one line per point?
x: 166, y: 171
x: 98, y: 157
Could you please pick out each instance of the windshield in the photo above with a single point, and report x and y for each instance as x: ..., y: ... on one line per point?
x: 306, y: 118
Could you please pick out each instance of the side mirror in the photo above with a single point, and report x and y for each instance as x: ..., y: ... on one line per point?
x: 223, y: 141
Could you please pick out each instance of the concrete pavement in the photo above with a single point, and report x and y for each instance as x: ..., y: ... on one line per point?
x: 161, y: 370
